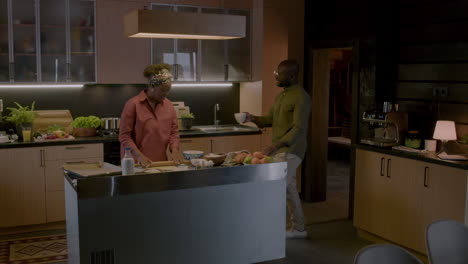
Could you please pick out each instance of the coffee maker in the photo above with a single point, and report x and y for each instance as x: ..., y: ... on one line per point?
x: 385, y: 129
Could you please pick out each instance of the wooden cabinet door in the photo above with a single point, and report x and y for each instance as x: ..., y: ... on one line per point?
x: 442, y: 192
x: 398, y: 201
x: 120, y: 59
x: 235, y: 143
x: 22, y: 199
x: 203, y: 144
x: 370, y: 191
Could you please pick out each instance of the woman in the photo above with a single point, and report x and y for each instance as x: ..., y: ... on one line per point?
x: 149, y: 123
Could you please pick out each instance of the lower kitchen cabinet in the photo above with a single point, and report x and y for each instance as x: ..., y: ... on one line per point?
x: 22, y: 200
x: 31, y: 182
x: 397, y: 198
x: 221, y: 144
x: 235, y: 143
x: 203, y: 144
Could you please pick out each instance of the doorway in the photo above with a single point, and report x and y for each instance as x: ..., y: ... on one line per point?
x: 331, y: 131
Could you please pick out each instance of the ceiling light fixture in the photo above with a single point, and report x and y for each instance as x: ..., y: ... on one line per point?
x: 183, y: 25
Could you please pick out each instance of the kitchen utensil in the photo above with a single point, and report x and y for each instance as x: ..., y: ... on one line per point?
x: 217, y: 158
x: 240, y: 117
x: 430, y: 145
x: 192, y: 154
x: 162, y: 163
x: 387, y: 107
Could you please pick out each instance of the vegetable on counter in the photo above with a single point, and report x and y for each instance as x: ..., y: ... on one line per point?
x: 86, y: 122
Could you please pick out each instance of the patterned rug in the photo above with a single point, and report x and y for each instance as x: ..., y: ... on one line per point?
x: 44, y: 249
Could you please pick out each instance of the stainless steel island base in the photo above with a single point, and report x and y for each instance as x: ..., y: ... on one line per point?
x: 219, y: 215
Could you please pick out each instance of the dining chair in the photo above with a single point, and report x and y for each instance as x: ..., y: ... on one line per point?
x: 385, y: 254
x: 447, y: 242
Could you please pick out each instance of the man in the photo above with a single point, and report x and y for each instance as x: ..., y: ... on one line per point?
x: 289, y: 118
x: 149, y: 123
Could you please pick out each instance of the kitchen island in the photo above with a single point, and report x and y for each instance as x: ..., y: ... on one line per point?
x: 213, y: 215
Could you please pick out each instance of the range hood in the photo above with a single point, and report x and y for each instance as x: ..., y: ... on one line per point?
x: 183, y: 25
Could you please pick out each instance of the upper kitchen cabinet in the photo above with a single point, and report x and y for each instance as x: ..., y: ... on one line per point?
x: 47, y: 41
x: 82, y: 66
x: 239, y: 59
x: 182, y: 54
x: 206, y: 60
x: 4, y: 40
x: 24, y: 64
x: 120, y: 59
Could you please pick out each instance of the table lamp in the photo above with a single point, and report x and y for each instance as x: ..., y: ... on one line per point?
x: 444, y: 131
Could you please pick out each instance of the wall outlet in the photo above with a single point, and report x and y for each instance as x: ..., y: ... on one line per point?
x: 440, y: 91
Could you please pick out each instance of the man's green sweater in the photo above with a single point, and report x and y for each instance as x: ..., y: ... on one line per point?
x: 289, y: 119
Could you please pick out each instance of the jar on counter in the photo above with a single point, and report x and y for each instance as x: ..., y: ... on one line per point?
x: 413, y: 139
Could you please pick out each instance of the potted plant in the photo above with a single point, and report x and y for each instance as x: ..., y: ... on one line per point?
x: 186, y: 120
x: 22, y: 117
x: 85, y: 126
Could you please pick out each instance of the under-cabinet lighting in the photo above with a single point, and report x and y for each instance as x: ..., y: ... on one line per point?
x: 201, y: 84
x: 46, y: 86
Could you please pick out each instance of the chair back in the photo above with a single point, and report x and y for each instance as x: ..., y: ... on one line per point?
x: 385, y: 254
x: 447, y: 242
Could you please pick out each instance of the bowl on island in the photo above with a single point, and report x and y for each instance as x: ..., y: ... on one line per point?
x: 192, y: 154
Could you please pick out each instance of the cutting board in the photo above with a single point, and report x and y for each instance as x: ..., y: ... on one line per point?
x: 45, y: 118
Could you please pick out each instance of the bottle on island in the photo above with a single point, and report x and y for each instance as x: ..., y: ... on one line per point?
x: 128, y: 163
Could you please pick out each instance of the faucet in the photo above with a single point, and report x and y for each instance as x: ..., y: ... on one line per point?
x: 216, y: 121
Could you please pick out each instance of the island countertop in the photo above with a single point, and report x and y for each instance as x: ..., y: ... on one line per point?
x: 430, y: 157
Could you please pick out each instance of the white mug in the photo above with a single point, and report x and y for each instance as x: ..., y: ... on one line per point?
x: 240, y: 117
x: 430, y: 145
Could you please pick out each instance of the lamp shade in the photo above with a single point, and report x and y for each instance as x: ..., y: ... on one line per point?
x: 183, y: 25
x: 445, y: 130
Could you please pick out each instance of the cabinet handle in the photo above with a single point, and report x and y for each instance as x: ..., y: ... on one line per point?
x: 382, y: 162
x: 72, y: 148
x: 389, y: 170
x: 226, y: 72
x: 12, y: 71
x: 186, y: 141
x: 426, y: 176
x: 176, y: 71
x: 69, y: 71
x: 42, y: 157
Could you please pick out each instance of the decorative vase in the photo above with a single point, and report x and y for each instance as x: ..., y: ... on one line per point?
x: 186, y: 123
x: 84, y: 132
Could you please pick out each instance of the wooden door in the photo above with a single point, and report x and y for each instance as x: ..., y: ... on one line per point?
x: 443, y: 196
x: 236, y: 143
x: 370, y: 184
x: 398, y: 201
x: 22, y: 199
x: 120, y: 59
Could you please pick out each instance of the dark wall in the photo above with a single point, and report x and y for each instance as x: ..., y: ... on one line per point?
x: 433, y: 54
x: 108, y: 100
x: 418, y: 45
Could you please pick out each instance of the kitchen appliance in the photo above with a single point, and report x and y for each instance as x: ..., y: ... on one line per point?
x: 110, y: 126
x: 384, y: 129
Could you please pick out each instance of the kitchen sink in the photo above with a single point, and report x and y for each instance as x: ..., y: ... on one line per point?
x: 224, y: 129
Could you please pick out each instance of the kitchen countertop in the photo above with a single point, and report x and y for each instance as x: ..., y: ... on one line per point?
x: 430, y: 157
x: 196, y: 132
